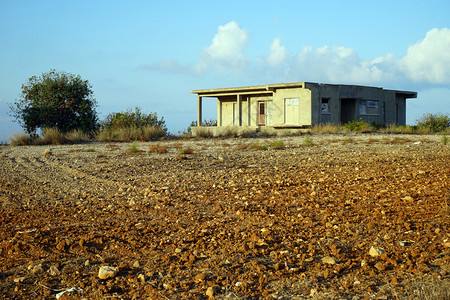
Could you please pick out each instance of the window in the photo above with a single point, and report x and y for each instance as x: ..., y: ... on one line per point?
x: 367, y: 107
x: 372, y: 104
x: 325, y: 106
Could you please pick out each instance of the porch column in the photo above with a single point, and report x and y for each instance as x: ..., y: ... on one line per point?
x: 239, y: 109
x: 199, y: 111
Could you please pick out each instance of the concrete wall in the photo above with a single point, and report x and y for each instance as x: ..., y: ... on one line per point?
x: 344, y: 103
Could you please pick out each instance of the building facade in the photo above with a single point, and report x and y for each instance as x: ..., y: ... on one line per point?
x: 303, y: 104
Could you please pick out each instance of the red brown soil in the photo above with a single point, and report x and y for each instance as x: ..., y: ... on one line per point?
x: 226, y: 221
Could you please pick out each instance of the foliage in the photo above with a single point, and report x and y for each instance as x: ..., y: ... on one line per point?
x: 133, y: 148
x: 56, y: 100
x: 444, y: 140
x: 359, y: 126
x: 435, y: 122
x: 205, y: 123
x: 132, y: 118
x: 307, y: 141
x: 278, y: 144
x: 50, y: 136
x: 131, y: 125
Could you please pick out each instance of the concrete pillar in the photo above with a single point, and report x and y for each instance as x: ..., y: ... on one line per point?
x: 199, y: 111
x: 239, y: 110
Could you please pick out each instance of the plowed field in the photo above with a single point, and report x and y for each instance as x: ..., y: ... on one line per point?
x: 325, y: 217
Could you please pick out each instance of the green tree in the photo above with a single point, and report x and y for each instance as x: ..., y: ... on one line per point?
x: 56, y: 100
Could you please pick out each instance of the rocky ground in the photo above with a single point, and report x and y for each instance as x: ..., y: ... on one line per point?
x: 324, y: 217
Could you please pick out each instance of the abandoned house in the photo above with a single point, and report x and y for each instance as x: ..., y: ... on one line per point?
x: 303, y: 104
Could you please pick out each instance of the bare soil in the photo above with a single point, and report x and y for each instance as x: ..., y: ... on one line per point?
x: 226, y: 219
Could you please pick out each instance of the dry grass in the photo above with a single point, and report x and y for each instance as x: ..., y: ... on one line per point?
x: 278, y: 144
x: 240, y: 147
x: 348, y: 140
x: 112, y: 147
x: 397, y: 141
x: 187, y: 150
x: 158, y: 149
x: 20, y: 139
x: 327, y: 129
x: 129, y: 134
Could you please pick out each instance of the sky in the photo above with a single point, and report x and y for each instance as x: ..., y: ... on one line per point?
x: 151, y: 54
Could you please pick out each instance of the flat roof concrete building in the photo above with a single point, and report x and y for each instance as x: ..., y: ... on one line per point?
x: 303, y: 104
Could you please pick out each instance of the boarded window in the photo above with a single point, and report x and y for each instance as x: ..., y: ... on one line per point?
x: 291, y: 111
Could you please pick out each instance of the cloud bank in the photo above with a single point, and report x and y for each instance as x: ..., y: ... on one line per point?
x: 427, y: 61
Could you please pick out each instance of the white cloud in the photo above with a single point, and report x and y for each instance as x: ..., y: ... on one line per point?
x: 339, y: 64
x: 226, y: 50
x: 278, y: 53
x: 429, y: 59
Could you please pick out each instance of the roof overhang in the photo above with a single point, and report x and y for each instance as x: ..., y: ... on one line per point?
x: 267, y: 89
x: 406, y: 94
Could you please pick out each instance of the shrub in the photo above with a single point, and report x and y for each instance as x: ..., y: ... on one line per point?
x: 130, y: 125
x: 435, y: 122
x: 157, y: 149
x: 307, y: 141
x: 279, y: 144
x: 21, y: 139
x: 359, y: 126
x: 187, y: 151
x: 52, y: 136
x: 133, y: 148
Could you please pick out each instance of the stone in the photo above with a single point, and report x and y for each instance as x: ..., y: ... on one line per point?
x: 37, y: 269
x: 200, y: 277
x: 106, y: 272
x: 136, y: 264
x: 328, y: 260
x: 210, y: 293
x: 376, y: 251
x: 61, y: 246
x: 53, y: 271
x: 380, y: 266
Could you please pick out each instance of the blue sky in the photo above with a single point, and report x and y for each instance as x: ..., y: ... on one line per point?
x: 152, y: 53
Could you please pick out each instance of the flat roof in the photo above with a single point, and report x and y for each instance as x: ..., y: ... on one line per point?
x: 267, y: 88
x: 270, y: 88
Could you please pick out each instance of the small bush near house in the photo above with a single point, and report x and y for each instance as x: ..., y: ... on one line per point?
x: 359, y: 126
x: 435, y: 122
x: 131, y: 125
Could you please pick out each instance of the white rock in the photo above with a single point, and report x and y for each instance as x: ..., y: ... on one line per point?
x: 376, y: 251
x: 328, y: 260
x: 54, y: 271
x: 106, y: 272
